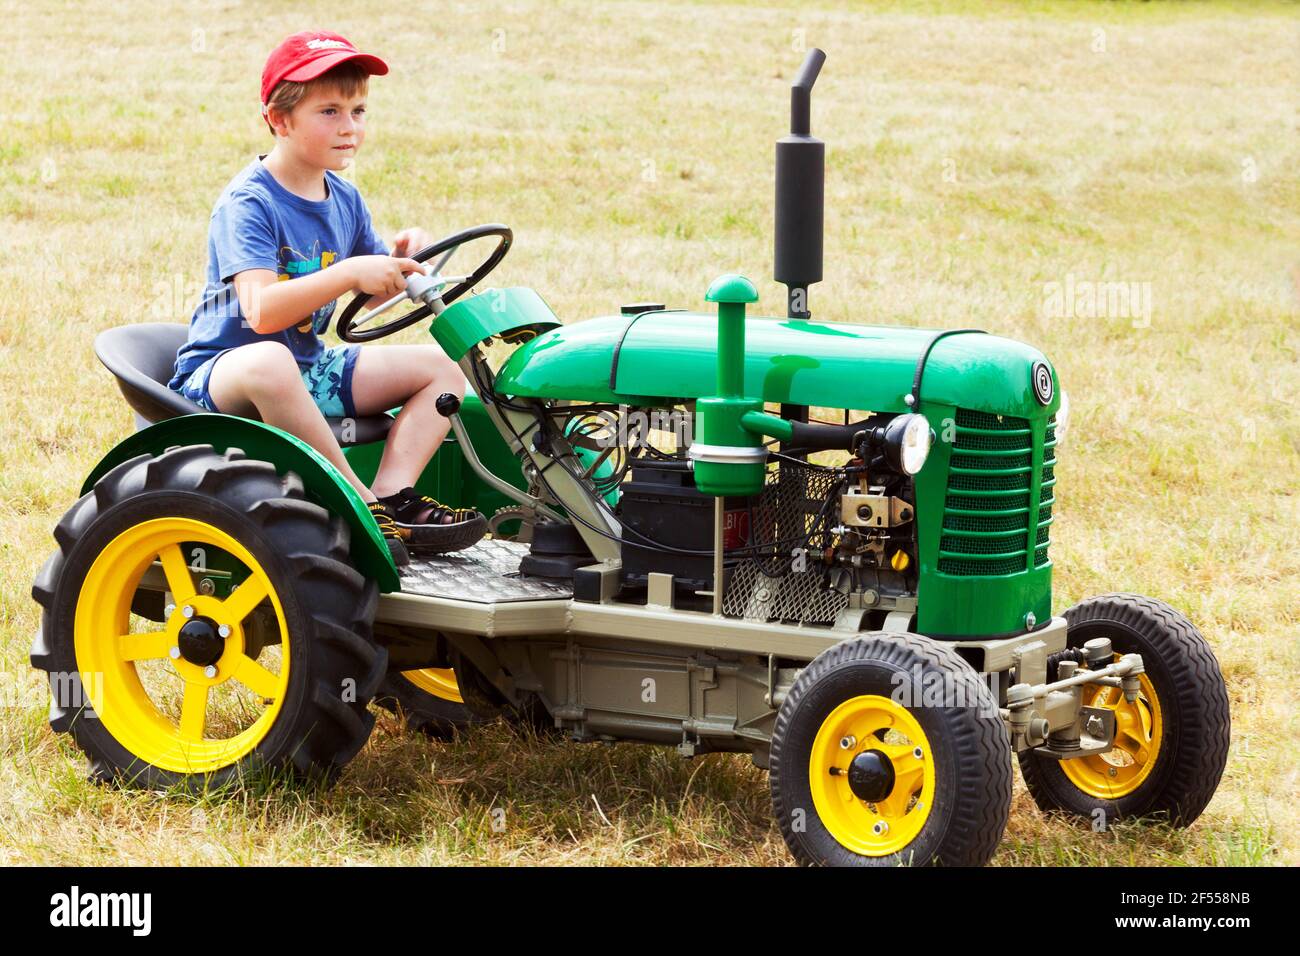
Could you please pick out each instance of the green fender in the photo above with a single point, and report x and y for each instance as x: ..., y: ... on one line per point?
x: 263, y: 442
x: 466, y: 323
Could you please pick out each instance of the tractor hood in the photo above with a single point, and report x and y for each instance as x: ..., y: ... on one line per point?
x: 661, y: 358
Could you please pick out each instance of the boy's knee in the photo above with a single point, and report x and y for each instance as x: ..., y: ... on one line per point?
x: 446, y: 373
x: 269, y: 367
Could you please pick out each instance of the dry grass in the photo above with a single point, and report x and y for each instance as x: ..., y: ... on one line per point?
x: 974, y: 157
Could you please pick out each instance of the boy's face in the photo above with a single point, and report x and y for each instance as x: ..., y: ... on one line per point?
x: 325, y: 129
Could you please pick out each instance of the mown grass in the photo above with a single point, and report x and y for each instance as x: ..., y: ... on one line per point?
x: 976, y: 153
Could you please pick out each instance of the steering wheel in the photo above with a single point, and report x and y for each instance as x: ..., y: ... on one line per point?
x: 431, y: 289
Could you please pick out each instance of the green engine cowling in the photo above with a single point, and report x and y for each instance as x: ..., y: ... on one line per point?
x: 985, y: 495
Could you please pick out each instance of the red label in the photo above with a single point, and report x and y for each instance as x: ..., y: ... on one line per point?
x: 735, y: 529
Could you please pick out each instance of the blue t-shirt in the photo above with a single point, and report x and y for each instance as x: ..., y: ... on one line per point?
x: 258, y: 224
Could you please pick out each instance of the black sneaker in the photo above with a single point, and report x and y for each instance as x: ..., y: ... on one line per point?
x: 420, y: 521
x: 393, y: 535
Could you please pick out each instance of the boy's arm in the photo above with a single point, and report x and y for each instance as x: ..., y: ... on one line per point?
x: 273, y: 306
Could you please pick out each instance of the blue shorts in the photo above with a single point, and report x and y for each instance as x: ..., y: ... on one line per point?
x: 328, y: 381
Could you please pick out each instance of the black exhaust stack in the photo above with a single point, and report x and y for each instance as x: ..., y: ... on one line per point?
x: 800, y: 177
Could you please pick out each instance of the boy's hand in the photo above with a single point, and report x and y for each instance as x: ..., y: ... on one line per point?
x: 410, y: 241
x: 380, y: 275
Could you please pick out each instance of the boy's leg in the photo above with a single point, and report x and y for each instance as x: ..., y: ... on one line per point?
x: 264, y: 379
x: 412, y: 376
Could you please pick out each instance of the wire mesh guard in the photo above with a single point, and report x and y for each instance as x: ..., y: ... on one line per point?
x: 781, y: 578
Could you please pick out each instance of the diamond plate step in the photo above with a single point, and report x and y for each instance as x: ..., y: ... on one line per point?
x: 487, y: 573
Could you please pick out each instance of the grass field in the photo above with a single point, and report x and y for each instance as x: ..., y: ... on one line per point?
x: 988, y: 165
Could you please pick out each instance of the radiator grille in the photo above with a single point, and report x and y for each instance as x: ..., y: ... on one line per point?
x: 986, y: 518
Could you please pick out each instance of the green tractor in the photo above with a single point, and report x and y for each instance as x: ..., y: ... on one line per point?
x: 677, y: 555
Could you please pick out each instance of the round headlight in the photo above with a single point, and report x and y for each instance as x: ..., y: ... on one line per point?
x: 1062, y: 418
x: 907, y: 442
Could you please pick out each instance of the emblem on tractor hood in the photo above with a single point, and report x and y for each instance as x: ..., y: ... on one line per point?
x: 1043, y: 387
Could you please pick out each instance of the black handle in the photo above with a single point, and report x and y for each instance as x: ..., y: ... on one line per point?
x: 447, y: 404
x: 823, y: 436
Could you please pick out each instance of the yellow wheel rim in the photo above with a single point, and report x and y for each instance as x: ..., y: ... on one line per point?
x: 174, y: 724
x: 1138, y: 731
x: 888, y: 824
x: 438, y: 681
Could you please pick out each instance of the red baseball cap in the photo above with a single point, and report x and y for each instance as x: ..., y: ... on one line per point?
x: 305, y: 56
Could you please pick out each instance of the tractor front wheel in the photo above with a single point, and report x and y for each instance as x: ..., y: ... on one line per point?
x: 888, y: 750
x: 1171, y: 744
x: 427, y: 700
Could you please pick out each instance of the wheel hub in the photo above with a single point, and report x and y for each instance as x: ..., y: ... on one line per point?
x: 871, y: 776
x: 200, y: 643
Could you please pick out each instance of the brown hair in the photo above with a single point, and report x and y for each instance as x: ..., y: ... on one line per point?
x: 349, y: 78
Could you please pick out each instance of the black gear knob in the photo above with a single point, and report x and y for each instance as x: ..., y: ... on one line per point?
x: 447, y: 404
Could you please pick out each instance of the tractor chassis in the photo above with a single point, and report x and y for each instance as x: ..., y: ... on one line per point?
x: 660, y: 673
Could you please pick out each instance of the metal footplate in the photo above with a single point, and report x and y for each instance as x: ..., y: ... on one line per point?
x: 487, y: 573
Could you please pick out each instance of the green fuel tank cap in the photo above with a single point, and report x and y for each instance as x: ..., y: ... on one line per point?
x: 731, y: 288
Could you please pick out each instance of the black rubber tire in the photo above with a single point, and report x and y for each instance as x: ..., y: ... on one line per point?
x: 442, y: 719
x: 487, y: 703
x: 971, y: 745
x: 329, y: 607
x: 1189, y: 685
x: 480, y: 695
x: 532, y: 717
x: 422, y: 711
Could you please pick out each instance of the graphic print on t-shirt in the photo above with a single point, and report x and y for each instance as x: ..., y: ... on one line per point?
x: 293, y: 264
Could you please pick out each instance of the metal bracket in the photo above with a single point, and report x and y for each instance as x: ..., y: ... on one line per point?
x: 874, y: 511
x: 1089, y: 744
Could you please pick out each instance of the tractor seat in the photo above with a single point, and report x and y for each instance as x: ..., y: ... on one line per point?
x: 143, y: 356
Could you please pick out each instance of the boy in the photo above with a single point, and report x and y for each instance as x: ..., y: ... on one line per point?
x: 253, y: 347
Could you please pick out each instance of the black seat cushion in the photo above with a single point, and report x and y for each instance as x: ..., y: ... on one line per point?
x: 143, y: 357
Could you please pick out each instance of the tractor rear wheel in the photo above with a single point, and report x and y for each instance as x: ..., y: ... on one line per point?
x: 267, y: 665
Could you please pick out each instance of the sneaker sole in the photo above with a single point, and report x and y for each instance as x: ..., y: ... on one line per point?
x: 442, y: 538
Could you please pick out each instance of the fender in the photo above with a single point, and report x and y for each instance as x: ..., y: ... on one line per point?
x: 321, y: 480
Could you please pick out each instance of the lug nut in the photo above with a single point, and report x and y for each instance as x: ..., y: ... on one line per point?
x: 175, y: 653
x: 918, y: 753
x: 848, y: 743
x: 169, y: 610
x: 880, y: 828
x: 187, y: 611
x: 210, y: 671
x: 224, y: 630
